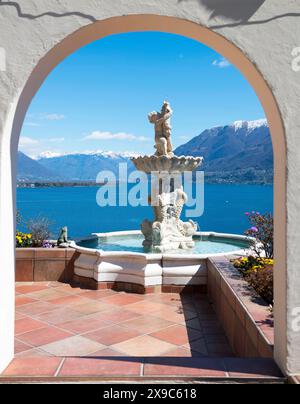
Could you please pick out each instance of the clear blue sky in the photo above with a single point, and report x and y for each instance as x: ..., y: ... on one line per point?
x: 99, y: 97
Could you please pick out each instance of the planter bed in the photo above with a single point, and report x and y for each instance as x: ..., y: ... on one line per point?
x: 40, y: 264
x: 245, y: 316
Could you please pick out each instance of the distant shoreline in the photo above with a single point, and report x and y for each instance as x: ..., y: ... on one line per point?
x: 38, y: 185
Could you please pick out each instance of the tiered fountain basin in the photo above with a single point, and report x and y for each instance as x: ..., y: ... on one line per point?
x: 175, y: 164
x: 117, y: 260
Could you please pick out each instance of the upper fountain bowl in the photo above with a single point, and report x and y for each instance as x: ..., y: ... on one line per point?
x: 149, y: 164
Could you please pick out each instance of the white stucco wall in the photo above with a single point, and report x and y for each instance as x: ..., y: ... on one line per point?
x: 265, y: 30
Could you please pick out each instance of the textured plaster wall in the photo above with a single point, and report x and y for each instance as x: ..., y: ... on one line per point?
x: 265, y: 30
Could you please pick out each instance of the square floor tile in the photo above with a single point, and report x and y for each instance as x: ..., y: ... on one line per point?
x: 96, y: 294
x: 198, y: 346
x: 239, y: 367
x: 84, y: 325
x: 220, y: 349
x: 73, y: 346
x: 178, y: 352
x: 69, y: 289
x: 177, y: 335
x: 68, y: 300
x: 174, y: 316
x: 33, y: 352
x: 194, y: 323
x: 92, y: 306
x: 27, y: 324
x: 143, y: 346
x: 47, y: 294
x: 21, y: 346
x: 122, y: 299
x: 112, y: 335
x: 147, y: 324
x: 145, y: 307
x: 60, y: 316
x: 19, y: 316
x: 22, y: 300
x: 165, y: 298
x: 118, y: 316
x: 36, y: 309
x: 106, y: 353
x: 212, y: 330
x: 34, y: 366
x: 43, y: 336
x: 100, y: 367
x: 197, y: 367
x: 24, y: 289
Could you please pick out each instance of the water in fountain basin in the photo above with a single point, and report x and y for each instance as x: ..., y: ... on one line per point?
x: 133, y: 243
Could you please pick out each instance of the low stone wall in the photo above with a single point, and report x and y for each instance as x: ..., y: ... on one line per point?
x: 39, y: 264
x: 245, y: 317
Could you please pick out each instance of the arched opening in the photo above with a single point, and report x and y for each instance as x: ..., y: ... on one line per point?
x: 235, y: 56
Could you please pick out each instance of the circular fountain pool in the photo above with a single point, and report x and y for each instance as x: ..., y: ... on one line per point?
x: 206, y: 244
x: 118, y: 260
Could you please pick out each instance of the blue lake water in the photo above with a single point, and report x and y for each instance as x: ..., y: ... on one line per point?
x: 76, y: 207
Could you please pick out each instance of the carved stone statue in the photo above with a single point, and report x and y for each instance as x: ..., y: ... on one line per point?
x: 62, y: 241
x: 167, y: 232
x: 163, y: 129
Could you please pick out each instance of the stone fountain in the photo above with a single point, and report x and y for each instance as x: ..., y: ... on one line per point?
x: 167, y: 232
x: 168, y: 262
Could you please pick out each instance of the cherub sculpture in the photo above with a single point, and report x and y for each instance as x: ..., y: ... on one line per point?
x: 163, y: 128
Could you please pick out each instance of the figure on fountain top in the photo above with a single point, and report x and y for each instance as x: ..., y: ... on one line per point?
x: 164, y: 160
x: 163, y: 130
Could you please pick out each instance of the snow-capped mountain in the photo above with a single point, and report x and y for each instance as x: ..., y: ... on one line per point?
x: 32, y: 170
x: 239, y: 152
x: 85, y: 166
x: 242, y: 145
x: 99, y: 153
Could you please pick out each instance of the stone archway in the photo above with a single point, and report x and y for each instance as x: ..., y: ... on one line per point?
x: 95, y: 31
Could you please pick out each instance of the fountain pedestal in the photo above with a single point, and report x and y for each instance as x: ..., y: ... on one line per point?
x: 167, y: 232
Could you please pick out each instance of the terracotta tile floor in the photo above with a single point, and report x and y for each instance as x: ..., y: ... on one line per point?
x: 105, y: 333
x: 59, y: 320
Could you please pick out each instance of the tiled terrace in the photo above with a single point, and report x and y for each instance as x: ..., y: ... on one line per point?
x: 69, y: 332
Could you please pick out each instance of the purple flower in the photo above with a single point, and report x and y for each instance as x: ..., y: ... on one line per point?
x: 47, y: 244
x: 247, y: 214
x: 254, y: 229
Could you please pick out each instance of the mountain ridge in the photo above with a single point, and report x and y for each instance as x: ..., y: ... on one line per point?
x: 237, y: 153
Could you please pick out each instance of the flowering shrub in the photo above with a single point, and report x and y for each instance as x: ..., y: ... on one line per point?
x: 258, y: 272
x: 258, y: 269
x: 23, y: 240
x: 262, y: 280
x: 261, y: 230
x: 47, y: 244
x: 252, y: 264
x: 40, y: 230
x: 38, y: 234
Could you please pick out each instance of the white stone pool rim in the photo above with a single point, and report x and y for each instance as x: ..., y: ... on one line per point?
x: 225, y: 236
